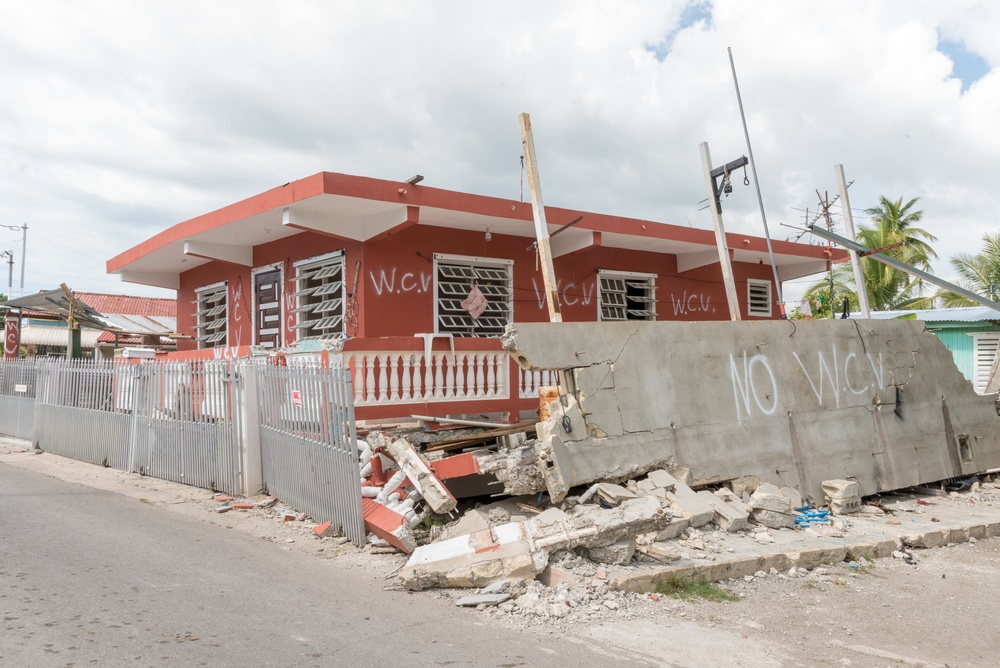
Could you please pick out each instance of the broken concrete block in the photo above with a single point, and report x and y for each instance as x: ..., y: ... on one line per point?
x: 732, y: 499
x: 244, y: 505
x: 695, y: 509
x: 769, y: 497
x: 793, y: 496
x: 728, y: 517
x: 388, y: 525
x: 565, y: 406
x: 772, y: 519
x: 845, y: 506
x: 553, y: 576
x: 661, y: 552
x: 613, y: 495
x: 662, y: 479
x: 546, y: 395
x: 675, y: 528
x: 841, y: 489
x: 618, y: 553
x: 646, y: 487
x: 321, y: 529
x: 632, y: 517
x: 497, y: 587
x: 223, y: 509
x: 421, y: 477
x: 474, y: 560
x: 476, y: 600
x: 471, y: 522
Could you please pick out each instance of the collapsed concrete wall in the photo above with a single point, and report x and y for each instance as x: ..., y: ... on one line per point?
x: 790, y: 402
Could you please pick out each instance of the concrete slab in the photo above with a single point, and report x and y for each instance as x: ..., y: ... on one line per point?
x: 728, y: 517
x: 690, y: 506
x: 949, y: 520
x: 789, y: 402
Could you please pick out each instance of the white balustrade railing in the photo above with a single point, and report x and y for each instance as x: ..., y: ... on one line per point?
x: 391, y: 377
x: 531, y: 381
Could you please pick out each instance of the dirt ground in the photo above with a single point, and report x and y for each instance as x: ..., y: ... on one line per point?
x: 939, y: 611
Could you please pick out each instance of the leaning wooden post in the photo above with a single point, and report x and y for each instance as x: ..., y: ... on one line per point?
x: 541, y: 229
x: 720, y: 236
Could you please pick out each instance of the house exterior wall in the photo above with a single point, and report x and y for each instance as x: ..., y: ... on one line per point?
x: 957, y: 338
x: 396, y: 295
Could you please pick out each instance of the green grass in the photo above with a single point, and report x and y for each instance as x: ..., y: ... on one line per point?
x: 686, y: 588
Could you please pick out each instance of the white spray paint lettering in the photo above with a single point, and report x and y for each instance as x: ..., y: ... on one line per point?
x: 691, y: 303
x: 409, y: 282
x: 585, y: 296
x: 833, y: 373
x: 744, y: 386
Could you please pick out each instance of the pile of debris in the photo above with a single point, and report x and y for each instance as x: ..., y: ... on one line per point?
x: 654, y: 518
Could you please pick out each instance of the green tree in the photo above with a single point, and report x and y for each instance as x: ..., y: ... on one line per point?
x: 894, y: 227
x: 979, y: 273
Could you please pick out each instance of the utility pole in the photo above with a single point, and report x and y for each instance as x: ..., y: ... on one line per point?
x: 74, y: 351
x: 720, y: 231
x: 24, y: 252
x: 859, y: 278
x: 824, y: 201
x: 541, y: 228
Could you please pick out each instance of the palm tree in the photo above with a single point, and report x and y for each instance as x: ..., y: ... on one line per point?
x: 979, y: 273
x: 893, y: 227
x: 896, y: 223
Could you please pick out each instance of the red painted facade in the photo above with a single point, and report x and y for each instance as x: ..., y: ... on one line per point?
x: 396, y: 292
x: 396, y: 296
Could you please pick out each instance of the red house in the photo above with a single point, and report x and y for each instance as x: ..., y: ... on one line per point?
x: 385, y: 266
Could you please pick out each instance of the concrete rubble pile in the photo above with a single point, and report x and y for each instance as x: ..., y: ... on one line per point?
x: 778, y: 420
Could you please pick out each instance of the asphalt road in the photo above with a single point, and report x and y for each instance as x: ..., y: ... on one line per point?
x: 93, y: 578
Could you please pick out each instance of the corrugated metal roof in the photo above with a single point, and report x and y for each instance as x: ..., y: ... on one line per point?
x: 48, y: 335
x: 956, y: 314
x: 139, y: 323
x: 129, y: 305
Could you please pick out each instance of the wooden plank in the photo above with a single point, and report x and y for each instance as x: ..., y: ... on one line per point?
x: 458, y: 442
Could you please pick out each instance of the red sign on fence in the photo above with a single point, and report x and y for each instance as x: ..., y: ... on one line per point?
x: 297, y: 397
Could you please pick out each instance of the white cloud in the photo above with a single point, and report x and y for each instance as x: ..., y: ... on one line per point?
x: 121, y: 118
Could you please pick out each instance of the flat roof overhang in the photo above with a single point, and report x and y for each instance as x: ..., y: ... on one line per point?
x: 364, y: 209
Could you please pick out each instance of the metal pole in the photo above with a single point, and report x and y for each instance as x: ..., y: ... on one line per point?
x: 859, y: 278
x: 24, y: 256
x: 854, y: 248
x: 756, y: 183
x: 720, y: 236
x: 541, y: 228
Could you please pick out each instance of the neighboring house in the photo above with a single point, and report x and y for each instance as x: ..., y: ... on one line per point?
x: 971, y: 333
x: 334, y: 256
x: 108, y: 322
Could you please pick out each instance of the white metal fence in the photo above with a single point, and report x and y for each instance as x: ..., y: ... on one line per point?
x: 197, y: 423
x: 309, y: 454
x: 18, y: 380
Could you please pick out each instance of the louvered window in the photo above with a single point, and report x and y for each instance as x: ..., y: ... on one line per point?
x: 454, y: 279
x: 319, y: 297
x: 212, y: 316
x: 626, y: 296
x: 759, y: 298
x: 984, y: 353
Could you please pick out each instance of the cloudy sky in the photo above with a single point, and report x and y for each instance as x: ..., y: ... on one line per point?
x: 119, y: 118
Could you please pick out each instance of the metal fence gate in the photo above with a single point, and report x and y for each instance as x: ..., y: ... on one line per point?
x: 183, y: 423
x: 309, y: 455
x: 18, y: 379
x: 167, y: 420
x: 76, y: 414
